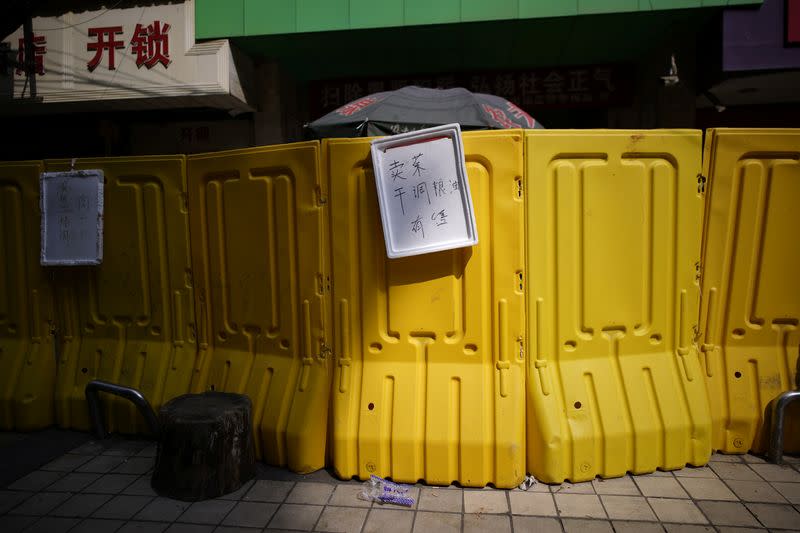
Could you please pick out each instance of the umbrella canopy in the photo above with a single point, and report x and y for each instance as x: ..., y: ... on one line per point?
x: 414, y: 108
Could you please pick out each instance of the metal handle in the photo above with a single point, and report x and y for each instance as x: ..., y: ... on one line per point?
x: 134, y: 396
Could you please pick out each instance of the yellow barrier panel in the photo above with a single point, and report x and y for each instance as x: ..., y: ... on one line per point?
x: 614, y: 383
x: 751, y: 288
x: 27, y: 358
x: 259, y: 233
x: 429, y: 380
x: 129, y: 320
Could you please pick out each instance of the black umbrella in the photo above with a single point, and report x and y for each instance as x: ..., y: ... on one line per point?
x: 414, y: 108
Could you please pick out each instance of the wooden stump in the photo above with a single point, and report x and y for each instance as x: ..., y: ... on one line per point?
x: 206, y: 446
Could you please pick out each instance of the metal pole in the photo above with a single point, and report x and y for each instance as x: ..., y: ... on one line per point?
x: 777, y: 418
x: 30, y: 52
x: 134, y: 396
x: 778, y: 415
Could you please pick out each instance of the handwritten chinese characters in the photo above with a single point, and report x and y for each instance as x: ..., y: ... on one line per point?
x: 425, y: 205
x: 72, y: 209
x: 420, y: 194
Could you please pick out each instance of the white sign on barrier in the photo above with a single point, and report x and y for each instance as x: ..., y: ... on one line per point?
x: 423, y: 191
x: 72, y: 217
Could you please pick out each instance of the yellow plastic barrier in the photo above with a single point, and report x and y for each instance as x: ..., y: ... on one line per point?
x: 27, y: 358
x: 129, y: 320
x: 613, y: 232
x: 429, y: 375
x: 751, y: 289
x: 259, y: 234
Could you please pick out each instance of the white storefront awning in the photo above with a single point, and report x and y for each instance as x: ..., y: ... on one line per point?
x: 133, y: 58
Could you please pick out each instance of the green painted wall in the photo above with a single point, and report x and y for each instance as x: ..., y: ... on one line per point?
x: 239, y: 18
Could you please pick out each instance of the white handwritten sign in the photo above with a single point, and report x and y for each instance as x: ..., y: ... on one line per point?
x: 72, y: 217
x: 423, y: 191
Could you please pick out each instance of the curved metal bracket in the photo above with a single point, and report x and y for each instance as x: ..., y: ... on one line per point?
x: 94, y: 387
x: 777, y: 412
x: 777, y: 416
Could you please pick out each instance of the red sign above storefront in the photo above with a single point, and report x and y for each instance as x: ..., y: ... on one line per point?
x: 558, y: 87
x: 793, y: 22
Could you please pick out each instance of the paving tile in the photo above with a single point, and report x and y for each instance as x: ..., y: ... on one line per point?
x: 637, y: 527
x: 537, y: 524
x: 267, y: 490
x: 250, y: 514
x: 81, y: 505
x: 232, y: 529
x: 686, y: 528
x: 111, y: 483
x: 52, y: 524
x: 725, y: 458
x: 207, y: 512
x: 15, y: 524
x: 310, y: 493
x: 11, y: 498
x: 74, y: 482
x: 707, y: 489
x: 790, y: 491
x: 122, y: 507
x: 678, y: 511
x: 749, y: 458
x: 36, y: 480
x: 389, y: 521
x: 148, y: 451
x: 143, y: 527
x: 41, y: 503
x: 125, y: 448
x: 434, y: 499
x: 341, y: 519
x: 439, y: 522
x: 735, y: 471
x: 575, y: 525
x: 347, y: 496
x: 238, y: 493
x: 579, y: 505
x: 775, y: 516
x: 573, y: 488
x: 727, y: 514
x: 658, y: 473
x: 481, y: 523
x: 661, y: 487
x: 66, y: 463
x: 724, y: 529
x: 97, y: 525
x: 101, y: 464
x: 627, y: 508
x: 135, y: 465
x: 92, y: 448
x: 777, y: 472
x: 755, y: 491
x: 485, y: 501
x: 140, y: 487
x: 532, y: 503
x: 290, y: 516
x: 694, y: 471
x: 190, y: 528
x: 623, y: 486
x: 165, y: 509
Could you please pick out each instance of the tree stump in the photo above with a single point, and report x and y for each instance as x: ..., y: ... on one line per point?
x: 206, y: 446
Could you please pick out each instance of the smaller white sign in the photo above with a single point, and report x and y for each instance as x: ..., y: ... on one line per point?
x: 72, y: 217
x: 423, y: 191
